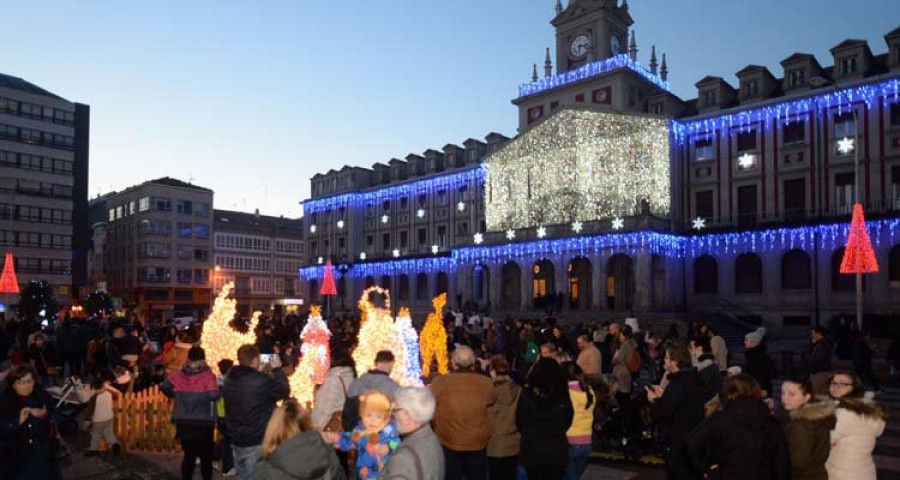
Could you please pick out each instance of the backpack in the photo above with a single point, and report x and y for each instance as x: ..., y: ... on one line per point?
x: 350, y: 414
x: 634, y: 363
x: 531, y: 352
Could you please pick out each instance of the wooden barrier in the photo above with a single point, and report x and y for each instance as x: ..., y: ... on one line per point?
x: 143, y: 422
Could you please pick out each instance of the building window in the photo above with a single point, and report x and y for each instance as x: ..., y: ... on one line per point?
x: 185, y: 229
x: 386, y: 242
x: 746, y: 141
x: 144, y: 204
x: 703, y: 150
x: 201, y: 231
x: 442, y: 197
x: 706, y: 275
x: 797, y: 77
x: 704, y: 204
x: 895, y: 114
x: 751, y: 88
x: 162, y: 204
x: 748, y: 274
x: 386, y: 206
x: 185, y: 207
x: 183, y: 276
x: 423, y: 236
x: 844, y: 186
x: 794, y: 132
x: 708, y: 98
x: 421, y: 286
x: 404, y: 239
x: 844, y: 125
x: 796, y: 271
x: 849, y: 66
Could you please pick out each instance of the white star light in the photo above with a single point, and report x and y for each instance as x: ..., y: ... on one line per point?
x: 699, y: 223
x: 541, y: 232
x: 385, y: 219
x: 746, y: 161
x: 340, y: 224
x: 479, y: 238
x: 618, y: 223
x: 434, y: 249
x: 420, y: 213
x: 461, y: 206
x: 396, y: 253
x: 510, y: 234
x: 362, y: 255
x: 845, y: 145
x: 321, y: 260
x: 312, y: 229
x: 577, y: 226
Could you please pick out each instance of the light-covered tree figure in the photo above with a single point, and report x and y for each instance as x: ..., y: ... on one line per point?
x: 219, y: 339
x: 410, y: 340
x: 315, y: 350
x: 378, y: 333
x: 433, y: 341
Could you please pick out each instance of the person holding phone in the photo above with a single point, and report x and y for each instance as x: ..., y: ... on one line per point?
x: 27, y: 430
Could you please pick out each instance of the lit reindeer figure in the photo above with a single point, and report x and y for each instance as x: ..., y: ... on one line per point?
x: 433, y: 340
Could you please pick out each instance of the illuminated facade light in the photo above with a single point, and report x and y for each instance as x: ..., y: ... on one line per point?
x: 321, y: 260
x: 618, y: 223
x: 420, y: 213
x: 396, y: 253
x: 362, y: 256
x: 385, y: 219
x: 479, y: 238
x: 746, y: 161
x: 461, y: 206
x: 846, y: 146
x: 312, y: 229
x: 577, y: 226
x: 510, y: 234
x: 699, y: 223
x: 541, y: 232
x: 592, y: 70
x: 340, y: 224
x: 435, y: 249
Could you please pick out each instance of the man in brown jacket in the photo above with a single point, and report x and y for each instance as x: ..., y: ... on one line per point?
x: 461, y: 419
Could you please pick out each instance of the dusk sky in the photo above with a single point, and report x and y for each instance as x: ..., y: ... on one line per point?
x: 251, y: 99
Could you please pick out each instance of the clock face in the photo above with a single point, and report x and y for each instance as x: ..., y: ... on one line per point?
x: 579, y: 46
x: 614, y: 46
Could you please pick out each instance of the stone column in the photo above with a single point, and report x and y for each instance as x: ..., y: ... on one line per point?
x: 642, y: 281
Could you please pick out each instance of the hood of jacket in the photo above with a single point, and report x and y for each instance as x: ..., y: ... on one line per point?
x: 863, y: 408
x: 304, y: 457
x: 750, y: 413
x: 194, y: 377
x: 507, y: 392
x: 816, y: 409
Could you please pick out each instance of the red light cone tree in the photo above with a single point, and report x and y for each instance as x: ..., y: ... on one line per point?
x: 859, y: 257
x: 8, y: 281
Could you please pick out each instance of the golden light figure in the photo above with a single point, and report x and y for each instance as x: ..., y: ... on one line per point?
x: 378, y: 333
x: 433, y: 340
x: 219, y: 339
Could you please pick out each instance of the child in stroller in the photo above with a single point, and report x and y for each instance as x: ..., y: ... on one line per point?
x: 625, y: 428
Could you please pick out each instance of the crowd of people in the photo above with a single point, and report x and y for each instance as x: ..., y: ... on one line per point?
x: 524, y: 399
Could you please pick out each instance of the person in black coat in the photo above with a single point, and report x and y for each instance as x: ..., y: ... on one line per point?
x: 707, y: 368
x: 543, y: 415
x: 743, y: 441
x: 862, y: 360
x: 759, y: 364
x: 27, y: 432
x: 678, y: 408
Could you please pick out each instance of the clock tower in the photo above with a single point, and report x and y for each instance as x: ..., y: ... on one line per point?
x: 590, y: 30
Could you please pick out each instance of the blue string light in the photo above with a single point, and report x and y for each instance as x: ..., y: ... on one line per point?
x: 428, y: 186
x: 592, y: 70
x: 828, y: 236
x: 794, y: 110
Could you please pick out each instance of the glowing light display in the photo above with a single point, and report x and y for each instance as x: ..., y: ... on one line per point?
x: 413, y: 371
x: 8, y: 281
x: 592, y: 70
x: 433, y: 340
x: 578, y: 165
x: 859, y: 257
x: 315, y: 348
x: 378, y: 333
x: 220, y: 340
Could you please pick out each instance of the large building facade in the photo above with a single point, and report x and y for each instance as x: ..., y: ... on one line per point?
x: 156, y: 244
x: 261, y: 255
x: 44, y: 143
x: 617, y: 196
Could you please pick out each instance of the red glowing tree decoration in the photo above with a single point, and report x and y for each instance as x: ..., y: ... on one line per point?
x: 859, y: 257
x: 8, y: 281
x: 328, y: 287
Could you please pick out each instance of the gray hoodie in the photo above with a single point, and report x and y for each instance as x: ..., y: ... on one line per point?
x: 304, y: 457
x: 373, y: 380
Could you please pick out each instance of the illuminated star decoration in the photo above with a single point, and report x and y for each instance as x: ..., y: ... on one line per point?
x: 510, y: 234
x: 618, y: 223
x: 410, y: 340
x: 434, y: 249
x: 420, y: 213
x: 461, y: 206
x: 479, y: 238
x: 699, y: 223
x: 340, y: 224
x: 845, y: 145
x: 321, y: 260
x: 378, y: 333
x: 577, y: 226
x: 362, y: 255
x: 396, y: 253
x: 385, y: 219
x: 541, y: 232
x: 312, y: 229
x: 433, y: 340
x: 746, y: 161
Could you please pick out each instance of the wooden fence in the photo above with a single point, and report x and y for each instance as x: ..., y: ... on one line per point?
x: 143, y: 423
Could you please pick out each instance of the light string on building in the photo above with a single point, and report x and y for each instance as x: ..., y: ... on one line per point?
x: 840, y: 99
x: 828, y: 237
x: 592, y: 70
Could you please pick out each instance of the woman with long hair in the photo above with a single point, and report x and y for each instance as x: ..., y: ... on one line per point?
x: 581, y: 432
x: 543, y: 415
x: 28, y: 436
x: 859, y: 423
x: 742, y: 441
x: 293, y: 449
x: 808, y: 429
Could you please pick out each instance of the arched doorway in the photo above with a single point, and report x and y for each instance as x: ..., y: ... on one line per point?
x: 580, y: 283
x: 748, y: 273
x: 481, y: 285
x: 543, y: 287
x: 620, y: 283
x: 658, y: 279
x: 442, y: 284
x: 706, y: 275
x: 511, y: 286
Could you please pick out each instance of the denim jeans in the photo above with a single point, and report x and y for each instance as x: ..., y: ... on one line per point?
x: 245, y: 460
x: 578, y: 457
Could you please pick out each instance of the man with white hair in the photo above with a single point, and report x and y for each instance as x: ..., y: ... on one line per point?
x: 419, y: 455
x: 461, y: 418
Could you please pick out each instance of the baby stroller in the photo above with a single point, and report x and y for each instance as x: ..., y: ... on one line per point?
x: 71, y: 399
x: 629, y: 430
